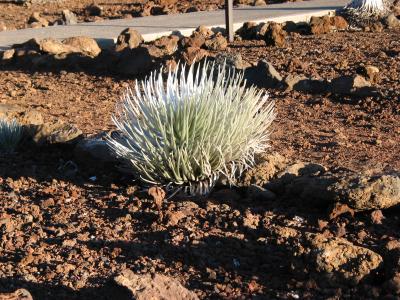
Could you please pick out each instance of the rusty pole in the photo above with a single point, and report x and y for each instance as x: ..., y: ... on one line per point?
x: 229, y: 19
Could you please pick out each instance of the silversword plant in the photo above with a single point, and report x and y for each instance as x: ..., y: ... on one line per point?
x: 10, y: 135
x: 368, y: 8
x: 193, y: 128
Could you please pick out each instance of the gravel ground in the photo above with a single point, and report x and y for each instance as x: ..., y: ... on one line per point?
x: 66, y: 237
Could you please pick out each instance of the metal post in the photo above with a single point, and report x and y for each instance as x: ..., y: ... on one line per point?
x: 229, y: 19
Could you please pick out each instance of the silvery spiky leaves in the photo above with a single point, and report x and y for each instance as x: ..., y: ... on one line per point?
x: 191, y: 129
x: 361, y: 12
x: 10, y: 135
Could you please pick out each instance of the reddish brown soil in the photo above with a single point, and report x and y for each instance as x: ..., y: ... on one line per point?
x: 66, y: 237
x: 358, y: 134
x: 355, y: 133
x: 16, y: 16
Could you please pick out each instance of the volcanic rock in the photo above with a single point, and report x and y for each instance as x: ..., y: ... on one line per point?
x: 193, y: 54
x: 128, y: 38
x: 217, y: 43
x: 157, y: 286
x: 263, y: 75
x: 84, y: 45
x: 339, y: 260
x: 275, y: 35
x: 368, y: 193
x: 69, y: 18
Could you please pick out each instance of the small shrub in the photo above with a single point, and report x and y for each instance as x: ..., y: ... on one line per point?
x: 192, y: 129
x: 10, y: 135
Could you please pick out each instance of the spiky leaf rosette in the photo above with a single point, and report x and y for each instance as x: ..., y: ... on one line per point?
x: 10, y: 135
x: 363, y: 12
x: 195, y: 127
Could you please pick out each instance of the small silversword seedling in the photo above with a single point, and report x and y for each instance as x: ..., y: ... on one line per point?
x: 10, y: 135
x: 189, y: 130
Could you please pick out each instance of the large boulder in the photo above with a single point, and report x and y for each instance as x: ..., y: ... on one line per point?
x: 128, y: 38
x: 167, y: 44
x: 23, y: 116
x: 353, y: 85
x: 347, y: 83
x: 193, y: 54
x: 275, y: 35
x: 93, y: 10
x: 37, y: 129
x: 370, y: 72
x: 340, y: 260
x: 68, y: 17
x: 56, y: 47
x: 196, y: 40
x: 7, y: 55
x: 335, y: 259
x: 392, y: 266
x: 368, y: 193
x: 232, y: 60
x: 304, y: 184
x: 95, y: 149
x: 81, y: 44
x: 302, y: 83
x: 313, y: 185
x: 339, y: 23
x: 57, y: 132
x: 263, y: 75
x: 20, y: 294
x: 85, y: 45
x: 321, y: 25
x: 154, y: 51
x: 249, y: 31
x: 267, y: 167
x: 391, y: 21
x: 327, y: 24
x: 157, y: 286
x: 205, y: 31
x: 36, y: 20
x: 217, y: 43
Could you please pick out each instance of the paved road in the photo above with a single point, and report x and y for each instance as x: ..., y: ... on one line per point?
x: 153, y: 27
